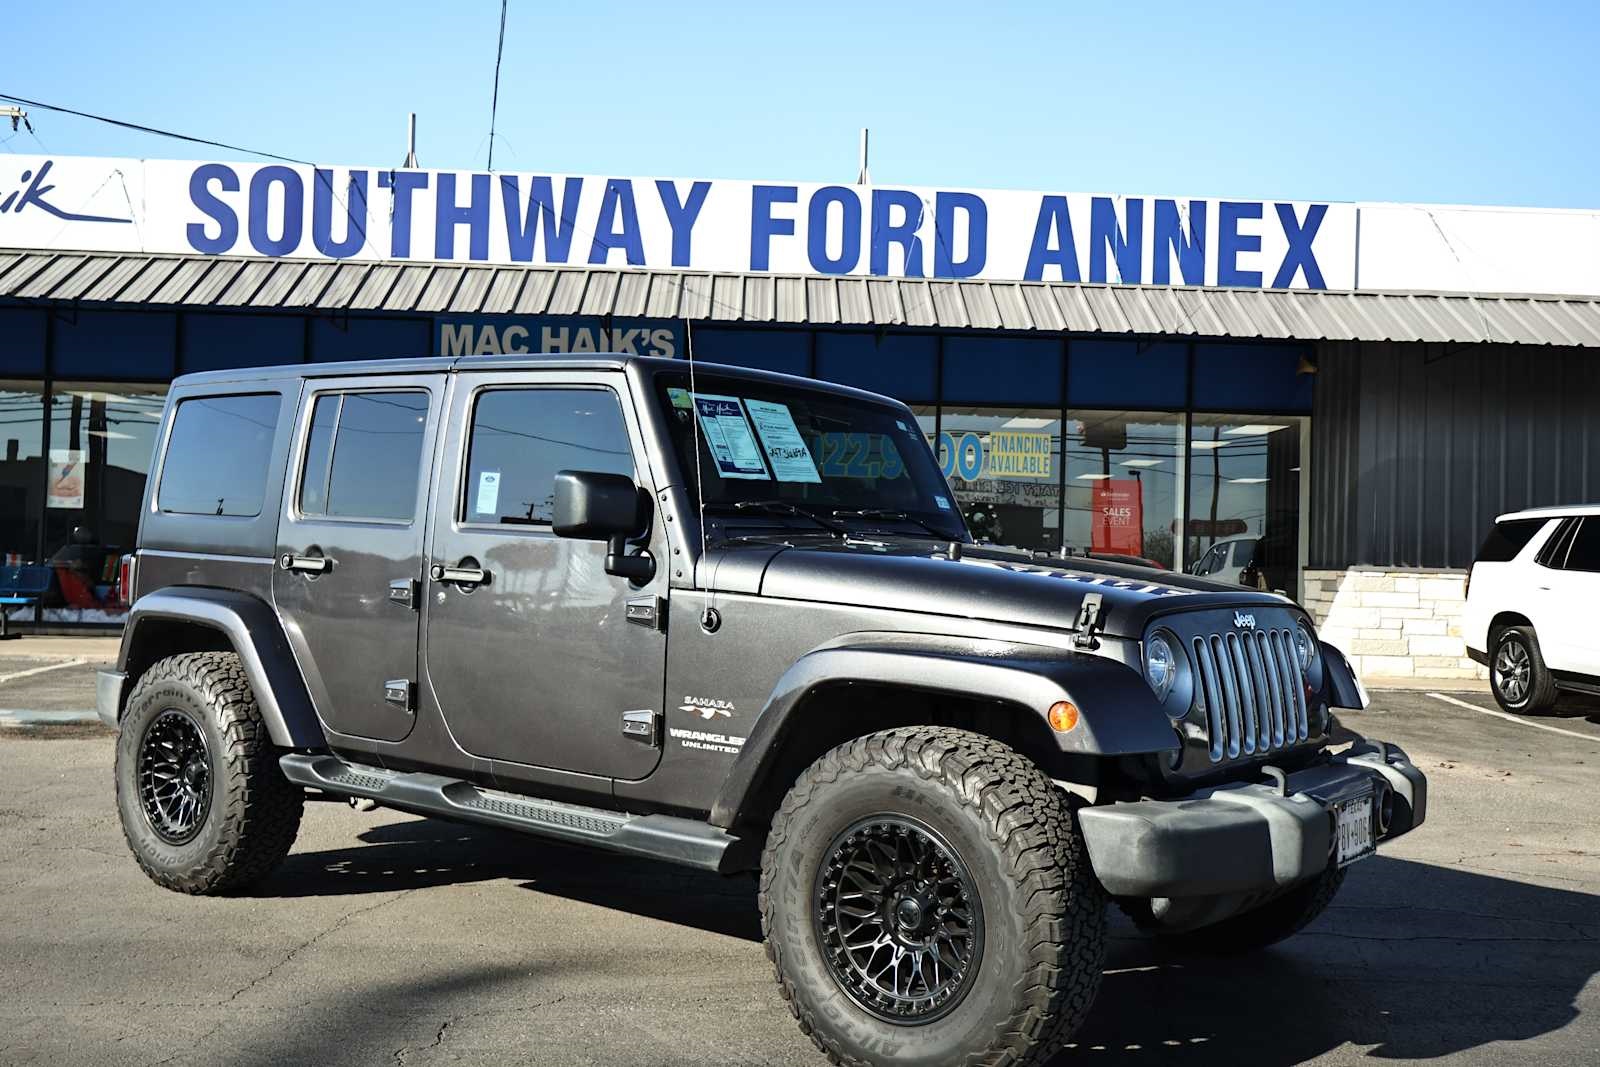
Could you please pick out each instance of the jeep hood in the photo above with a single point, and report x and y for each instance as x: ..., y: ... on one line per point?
x: 996, y: 585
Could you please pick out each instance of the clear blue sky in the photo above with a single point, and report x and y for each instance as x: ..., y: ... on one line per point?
x: 1417, y: 101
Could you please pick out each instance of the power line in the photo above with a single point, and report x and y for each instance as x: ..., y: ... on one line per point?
x: 146, y: 129
x: 494, y: 103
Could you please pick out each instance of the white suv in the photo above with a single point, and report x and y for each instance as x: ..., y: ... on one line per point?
x: 1532, y: 598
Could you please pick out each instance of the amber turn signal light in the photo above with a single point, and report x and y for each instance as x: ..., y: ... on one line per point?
x: 1063, y: 716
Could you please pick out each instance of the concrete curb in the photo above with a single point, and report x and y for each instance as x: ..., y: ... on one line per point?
x: 24, y: 717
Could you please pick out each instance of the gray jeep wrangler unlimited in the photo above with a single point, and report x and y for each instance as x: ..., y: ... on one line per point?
x: 731, y: 620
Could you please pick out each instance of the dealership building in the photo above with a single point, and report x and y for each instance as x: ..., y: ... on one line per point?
x: 1331, y: 399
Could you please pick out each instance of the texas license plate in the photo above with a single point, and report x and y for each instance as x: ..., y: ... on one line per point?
x: 1352, y: 828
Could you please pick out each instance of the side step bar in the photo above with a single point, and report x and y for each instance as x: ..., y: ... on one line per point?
x: 686, y: 842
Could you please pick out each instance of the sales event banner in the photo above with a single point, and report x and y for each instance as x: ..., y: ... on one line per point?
x: 374, y: 213
x: 1117, y: 523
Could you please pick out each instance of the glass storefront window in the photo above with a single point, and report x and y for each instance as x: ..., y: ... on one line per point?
x: 1004, y: 466
x: 21, y: 476
x: 101, y: 440
x: 1125, y: 484
x: 1245, y: 499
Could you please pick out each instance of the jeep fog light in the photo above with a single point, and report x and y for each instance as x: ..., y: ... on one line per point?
x: 1160, y: 665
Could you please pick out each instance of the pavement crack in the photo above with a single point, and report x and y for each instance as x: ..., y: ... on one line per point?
x: 337, y: 925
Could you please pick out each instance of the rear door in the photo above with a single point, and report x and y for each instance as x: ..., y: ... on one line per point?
x: 531, y: 649
x: 349, y: 561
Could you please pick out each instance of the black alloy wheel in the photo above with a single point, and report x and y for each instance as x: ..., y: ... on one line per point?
x: 899, y: 919
x: 174, y: 776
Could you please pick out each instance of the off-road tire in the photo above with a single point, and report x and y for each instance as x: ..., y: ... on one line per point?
x: 1541, y: 694
x: 1280, y: 918
x: 1043, y: 910
x: 254, y: 811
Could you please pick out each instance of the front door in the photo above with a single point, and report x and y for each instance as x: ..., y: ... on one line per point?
x: 1567, y: 634
x: 530, y: 648
x: 350, y: 547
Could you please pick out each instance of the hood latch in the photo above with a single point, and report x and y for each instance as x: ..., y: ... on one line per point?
x: 1089, y: 621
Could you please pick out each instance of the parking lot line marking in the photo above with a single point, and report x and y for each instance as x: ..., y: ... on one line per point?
x: 1513, y: 718
x: 40, y: 670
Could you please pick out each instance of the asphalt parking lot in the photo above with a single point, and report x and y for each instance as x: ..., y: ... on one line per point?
x: 387, y: 939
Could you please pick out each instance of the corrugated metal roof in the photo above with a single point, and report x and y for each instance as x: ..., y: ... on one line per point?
x: 223, y: 282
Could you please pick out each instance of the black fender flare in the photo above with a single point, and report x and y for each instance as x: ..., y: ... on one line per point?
x: 1118, y: 714
x: 1344, y: 689
x: 251, y: 627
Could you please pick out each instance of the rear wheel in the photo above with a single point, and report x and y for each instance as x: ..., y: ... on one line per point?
x: 1517, y: 674
x: 203, y: 804
x: 927, y: 900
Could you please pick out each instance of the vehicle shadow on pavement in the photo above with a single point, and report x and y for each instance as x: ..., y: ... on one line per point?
x: 419, y: 853
x: 414, y: 854
x: 1412, y: 960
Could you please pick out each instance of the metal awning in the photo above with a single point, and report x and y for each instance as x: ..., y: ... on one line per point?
x: 225, y: 282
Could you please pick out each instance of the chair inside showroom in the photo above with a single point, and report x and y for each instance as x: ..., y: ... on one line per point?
x: 22, y: 585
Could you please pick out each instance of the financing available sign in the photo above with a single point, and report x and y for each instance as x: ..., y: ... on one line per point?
x: 480, y: 217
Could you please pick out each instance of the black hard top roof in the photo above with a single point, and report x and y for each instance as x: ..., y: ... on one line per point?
x: 453, y: 364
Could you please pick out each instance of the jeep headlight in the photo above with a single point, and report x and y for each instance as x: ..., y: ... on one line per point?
x: 1160, y: 665
x: 1305, y: 649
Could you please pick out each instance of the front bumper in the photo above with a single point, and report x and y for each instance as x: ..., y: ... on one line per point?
x: 108, y: 690
x: 1246, y: 837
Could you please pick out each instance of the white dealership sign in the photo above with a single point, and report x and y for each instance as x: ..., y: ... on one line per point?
x: 371, y: 214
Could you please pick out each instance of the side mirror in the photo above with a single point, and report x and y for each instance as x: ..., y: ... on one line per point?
x: 604, y: 507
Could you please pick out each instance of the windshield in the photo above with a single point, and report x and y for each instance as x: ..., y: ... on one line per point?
x: 810, y: 460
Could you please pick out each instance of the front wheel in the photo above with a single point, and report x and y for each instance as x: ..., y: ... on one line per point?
x: 927, y: 900
x: 204, y: 806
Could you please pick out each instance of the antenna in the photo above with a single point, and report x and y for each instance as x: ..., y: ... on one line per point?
x: 411, y: 141
x: 710, y: 620
x: 865, y: 176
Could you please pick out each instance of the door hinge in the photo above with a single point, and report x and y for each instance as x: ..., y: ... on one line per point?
x: 648, y: 611
x: 643, y: 726
x: 401, y: 692
x: 404, y: 591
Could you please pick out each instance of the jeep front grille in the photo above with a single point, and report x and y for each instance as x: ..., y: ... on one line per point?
x: 1254, y: 698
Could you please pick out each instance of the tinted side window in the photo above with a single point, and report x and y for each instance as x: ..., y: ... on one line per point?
x: 217, y: 455
x: 1506, y: 539
x: 522, y: 437
x: 1585, y: 552
x: 363, y: 455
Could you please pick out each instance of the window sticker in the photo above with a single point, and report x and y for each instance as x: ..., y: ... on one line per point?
x: 733, y: 445
x: 488, y: 502
x: 680, y: 399
x: 780, y: 437
x: 902, y: 425
x: 944, y: 505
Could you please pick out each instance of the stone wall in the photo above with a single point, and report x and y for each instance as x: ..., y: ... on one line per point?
x: 1393, y: 623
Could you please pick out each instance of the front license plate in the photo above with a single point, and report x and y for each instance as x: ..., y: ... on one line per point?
x: 1352, y: 828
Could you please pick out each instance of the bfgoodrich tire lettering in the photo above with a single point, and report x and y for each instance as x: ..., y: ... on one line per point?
x: 1014, y: 836
x: 251, y: 812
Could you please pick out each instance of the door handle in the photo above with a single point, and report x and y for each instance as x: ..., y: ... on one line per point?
x: 458, y: 575
x: 305, y: 564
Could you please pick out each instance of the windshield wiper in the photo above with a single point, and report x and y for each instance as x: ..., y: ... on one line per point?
x: 889, y: 515
x: 782, y: 507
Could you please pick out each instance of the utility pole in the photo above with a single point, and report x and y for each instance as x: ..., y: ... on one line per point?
x: 411, y: 141
x: 865, y: 176
x: 17, y: 117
